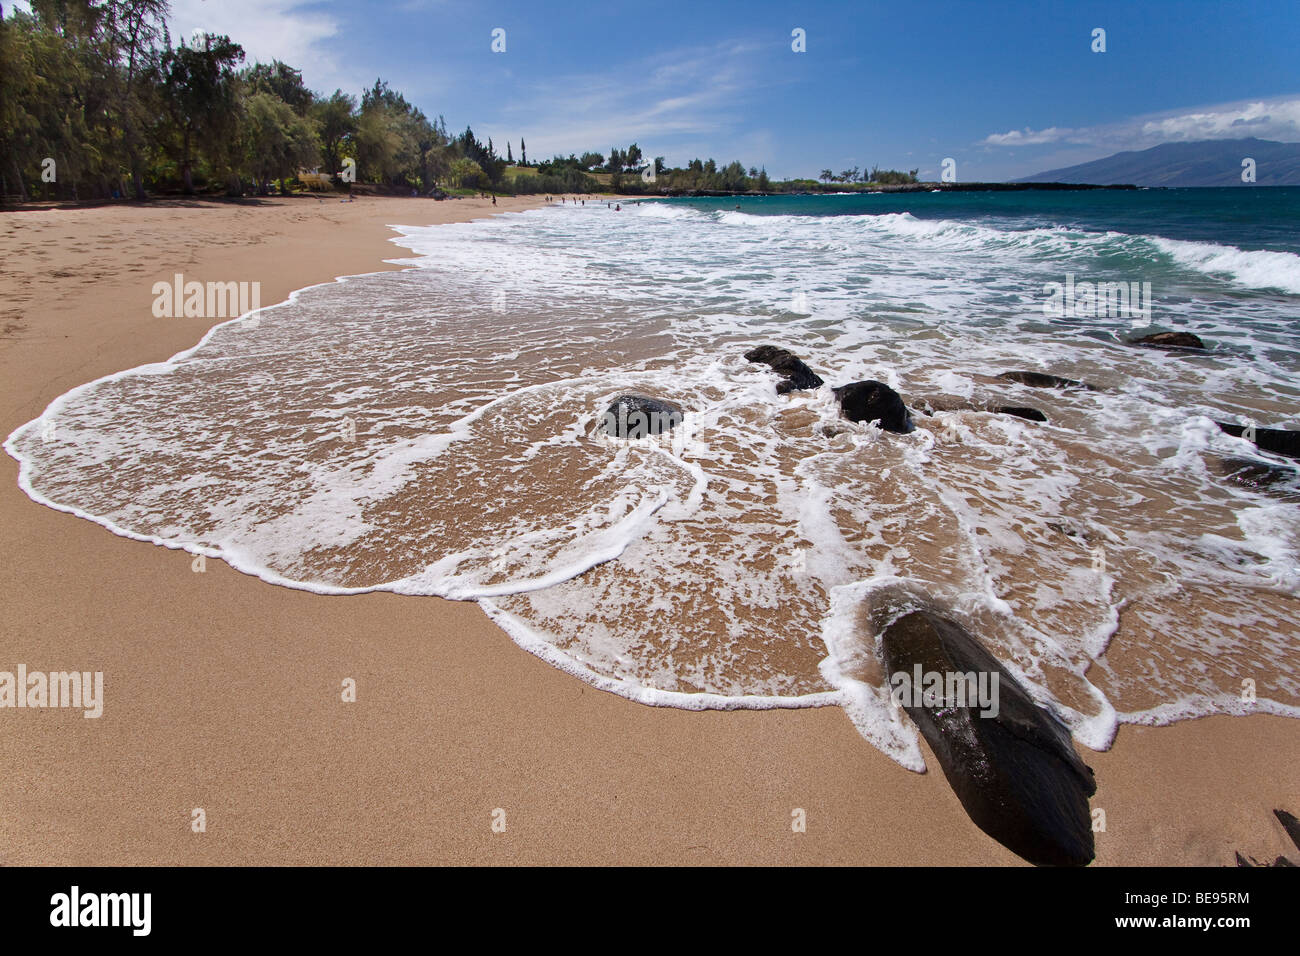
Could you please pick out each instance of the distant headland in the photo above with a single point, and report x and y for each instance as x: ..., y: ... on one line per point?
x: 1211, y: 162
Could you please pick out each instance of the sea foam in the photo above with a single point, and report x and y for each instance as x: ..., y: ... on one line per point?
x: 431, y: 432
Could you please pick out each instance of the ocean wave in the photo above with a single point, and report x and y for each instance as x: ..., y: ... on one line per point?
x: 726, y: 565
x: 1254, y: 269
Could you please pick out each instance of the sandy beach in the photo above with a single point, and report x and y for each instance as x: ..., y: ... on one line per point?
x: 224, y: 693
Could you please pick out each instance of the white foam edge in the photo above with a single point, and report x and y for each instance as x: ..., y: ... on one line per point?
x: 514, y: 628
x: 433, y: 444
x: 166, y: 366
x: 1220, y: 705
x: 629, y: 529
x: 869, y: 707
x: 163, y: 368
x: 534, y: 643
x: 392, y: 462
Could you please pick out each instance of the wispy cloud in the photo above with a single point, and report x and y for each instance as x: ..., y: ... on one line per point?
x: 294, y: 31
x: 1277, y: 118
x: 1027, y: 137
x: 665, y: 102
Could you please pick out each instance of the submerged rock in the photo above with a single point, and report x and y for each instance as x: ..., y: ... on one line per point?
x: 1169, y: 340
x: 1021, y: 411
x: 1072, y: 530
x: 796, y: 375
x: 1043, y: 380
x: 931, y: 406
x: 1014, y: 769
x: 1277, y: 480
x: 871, y: 401
x: 1277, y: 440
x: 636, y: 416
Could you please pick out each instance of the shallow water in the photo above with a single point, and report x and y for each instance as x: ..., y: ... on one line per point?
x: 432, y: 431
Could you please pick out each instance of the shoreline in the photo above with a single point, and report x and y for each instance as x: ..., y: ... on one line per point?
x: 453, y: 719
x: 930, y: 187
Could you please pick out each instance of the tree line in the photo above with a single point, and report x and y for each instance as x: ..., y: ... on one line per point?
x: 98, y: 101
x: 877, y: 176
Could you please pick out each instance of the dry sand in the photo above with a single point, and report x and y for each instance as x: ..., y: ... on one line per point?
x: 223, y: 692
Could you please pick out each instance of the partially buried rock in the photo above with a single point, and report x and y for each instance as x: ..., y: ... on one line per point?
x: 871, y: 401
x: 796, y: 375
x: 1290, y: 824
x: 1261, y: 476
x: 1277, y: 440
x: 1292, y: 827
x: 1010, y: 762
x: 637, y: 416
x: 1281, y: 861
x: 1170, y: 340
x: 1020, y: 411
x: 1043, y: 380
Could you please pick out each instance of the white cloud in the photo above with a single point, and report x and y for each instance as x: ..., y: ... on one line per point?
x: 292, y: 31
x: 1277, y: 118
x: 1027, y: 137
x: 665, y: 103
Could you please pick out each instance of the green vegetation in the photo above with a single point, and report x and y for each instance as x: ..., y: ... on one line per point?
x: 877, y: 176
x: 96, y: 101
x: 99, y: 88
x: 628, y: 171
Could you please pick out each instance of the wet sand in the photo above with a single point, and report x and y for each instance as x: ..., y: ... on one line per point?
x: 223, y: 692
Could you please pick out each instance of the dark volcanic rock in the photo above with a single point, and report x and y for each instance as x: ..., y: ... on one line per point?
x: 1043, y: 380
x: 1169, y: 340
x: 796, y: 375
x: 1072, y: 530
x: 1252, y: 862
x: 1277, y: 440
x: 1020, y: 411
x: 1290, y: 824
x: 871, y: 401
x: 636, y: 416
x: 1015, y: 771
x: 1276, y: 480
x: 1292, y: 827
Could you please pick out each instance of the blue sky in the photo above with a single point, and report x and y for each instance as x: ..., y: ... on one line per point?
x: 1006, y: 89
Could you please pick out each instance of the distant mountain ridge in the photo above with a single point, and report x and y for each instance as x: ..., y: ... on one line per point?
x: 1210, y: 162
